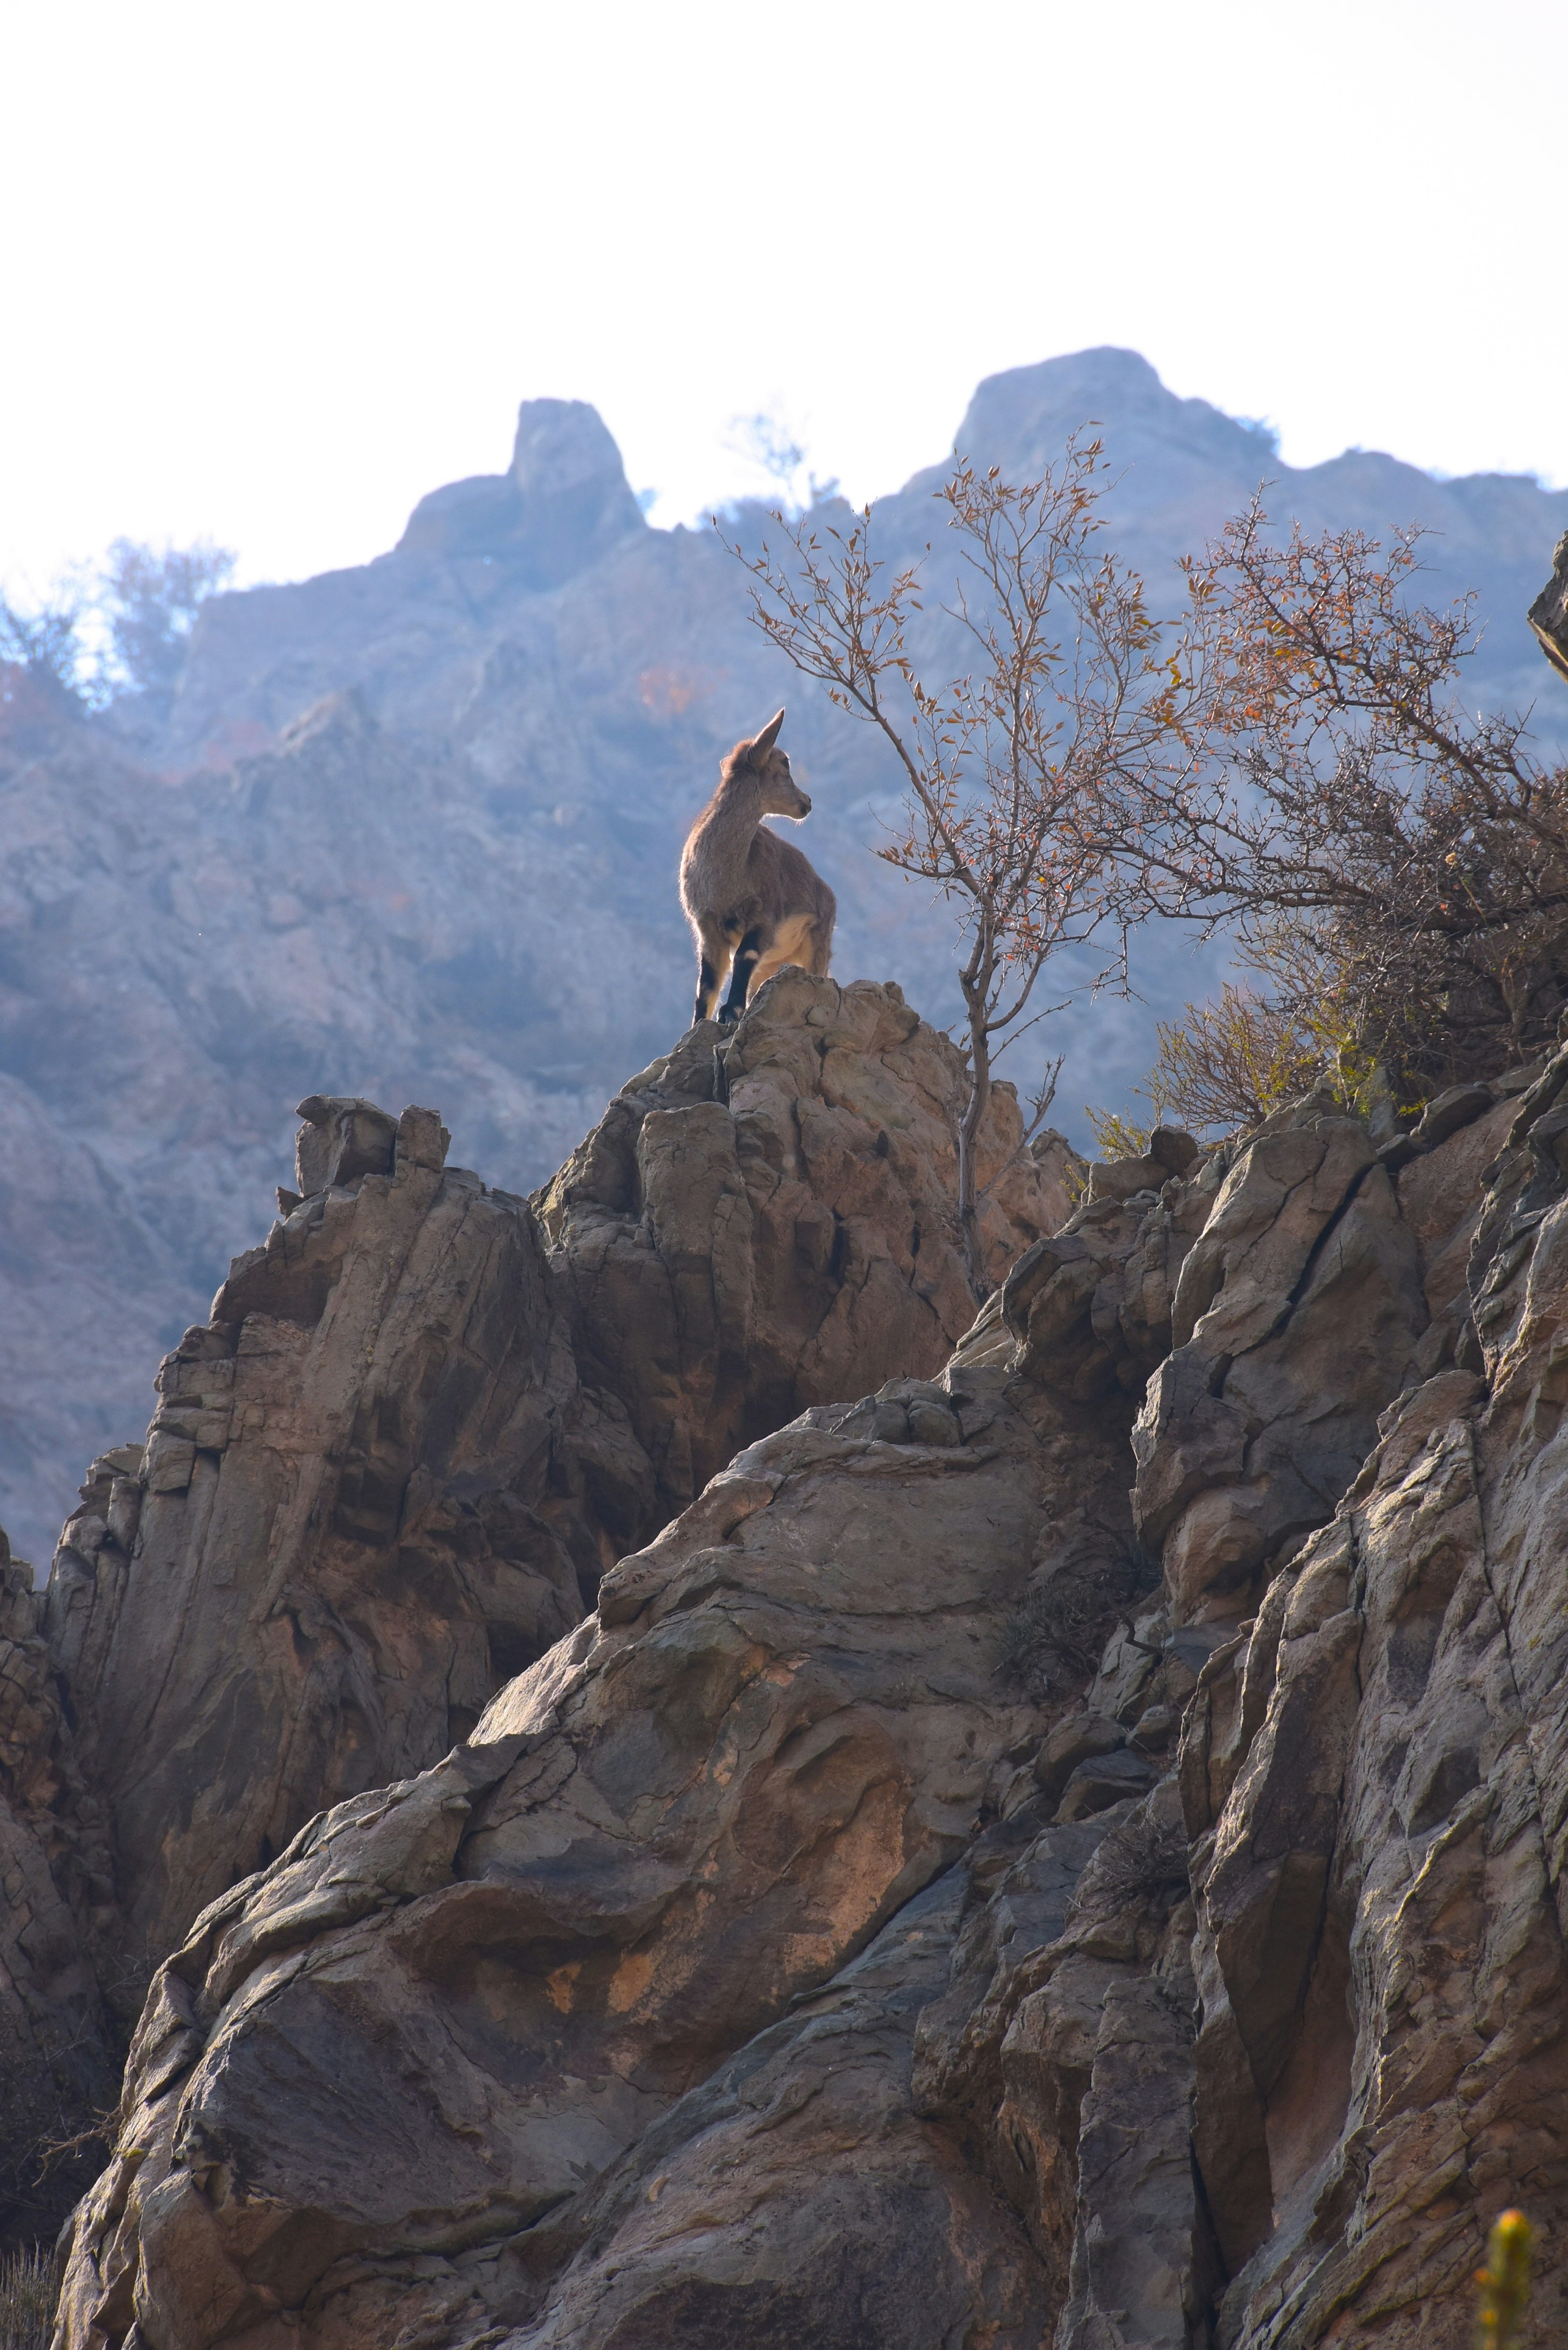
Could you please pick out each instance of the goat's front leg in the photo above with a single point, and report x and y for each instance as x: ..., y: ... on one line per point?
x: 713, y: 962
x: 746, y: 955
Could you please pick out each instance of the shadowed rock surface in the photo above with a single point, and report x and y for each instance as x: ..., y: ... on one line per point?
x: 424, y: 1419
x: 895, y: 1908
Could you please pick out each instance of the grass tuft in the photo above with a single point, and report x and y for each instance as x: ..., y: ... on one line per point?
x: 26, y: 2298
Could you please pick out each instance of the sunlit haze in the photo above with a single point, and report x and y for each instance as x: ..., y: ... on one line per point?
x: 272, y: 272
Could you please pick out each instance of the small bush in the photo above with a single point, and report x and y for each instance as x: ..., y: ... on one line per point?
x: 1229, y: 1064
x: 26, y: 2299
x: 1119, y: 1135
x: 1057, y: 1633
x: 1143, y: 1863
x: 1226, y: 1064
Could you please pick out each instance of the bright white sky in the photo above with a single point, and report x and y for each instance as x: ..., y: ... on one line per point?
x: 273, y: 268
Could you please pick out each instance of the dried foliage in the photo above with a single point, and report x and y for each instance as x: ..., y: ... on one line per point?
x: 1028, y: 799
x: 1290, y: 760
x: 1055, y: 1638
x: 26, y: 2298
x: 1142, y: 1865
x: 1415, y: 848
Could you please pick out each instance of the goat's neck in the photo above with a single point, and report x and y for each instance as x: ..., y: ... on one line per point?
x: 724, y: 838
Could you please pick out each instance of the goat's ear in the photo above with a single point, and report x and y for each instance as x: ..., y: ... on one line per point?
x: 768, y: 737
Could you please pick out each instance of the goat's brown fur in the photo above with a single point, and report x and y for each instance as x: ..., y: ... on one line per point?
x: 752, y: 900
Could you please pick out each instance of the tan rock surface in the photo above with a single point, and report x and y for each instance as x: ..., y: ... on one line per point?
x: 784, y: 1724
x: 894, y: 1915
x: 766, y: 1223
x: 390, y: 1471
x: 1296, y: 1317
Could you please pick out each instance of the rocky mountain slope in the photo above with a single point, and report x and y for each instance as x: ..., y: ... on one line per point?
x: 410, y: 830
x: 1068, y: 1844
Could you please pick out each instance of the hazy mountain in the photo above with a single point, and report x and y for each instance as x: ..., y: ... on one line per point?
x: 410, y: 831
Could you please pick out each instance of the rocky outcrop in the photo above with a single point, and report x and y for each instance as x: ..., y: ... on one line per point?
x: 362, y: 1503
x: 1548, y: 615
x: 423, y: 1420
x: 765, y: 1223
x: 782, y: 1724
x: 565, y: 503
x: 1295, y: 1317
x: 901, y: 1908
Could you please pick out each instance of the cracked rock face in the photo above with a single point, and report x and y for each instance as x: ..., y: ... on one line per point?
x: 903, y: 1908
x: 422, y: 1420
x: 765, y: 1223
x: 781, y: 1726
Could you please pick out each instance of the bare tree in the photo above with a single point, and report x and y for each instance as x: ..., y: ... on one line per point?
x: 1028, y: 777
x: 765, y: 441
x: 121, y: 628
x: 46, y: 641
x: 150, y: 597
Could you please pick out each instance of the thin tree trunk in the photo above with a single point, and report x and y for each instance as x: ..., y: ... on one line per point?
x: 973, y: 1117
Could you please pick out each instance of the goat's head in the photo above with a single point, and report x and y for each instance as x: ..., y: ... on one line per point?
x: 763, y: 760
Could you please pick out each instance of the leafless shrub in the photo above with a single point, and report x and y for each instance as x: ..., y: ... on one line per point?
x: 26, y: 2298
x: 1143, y: 1861
x: 46, y: 642
x: 150, y: 597
x: 1058, y: 1632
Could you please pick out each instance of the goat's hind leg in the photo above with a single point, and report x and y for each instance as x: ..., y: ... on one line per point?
x: 746, y: 955
x: 793, y: 943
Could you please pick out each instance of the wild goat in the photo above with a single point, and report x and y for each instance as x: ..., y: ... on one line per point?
x: 750, y: 897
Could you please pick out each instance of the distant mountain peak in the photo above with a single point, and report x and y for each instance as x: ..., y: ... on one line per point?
x: 566, y: 501
x: 566, y: 444
x: 1024, y: 414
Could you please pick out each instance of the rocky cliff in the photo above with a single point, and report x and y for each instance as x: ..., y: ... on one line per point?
x: 677, y: 1786
x: 410, y: 831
